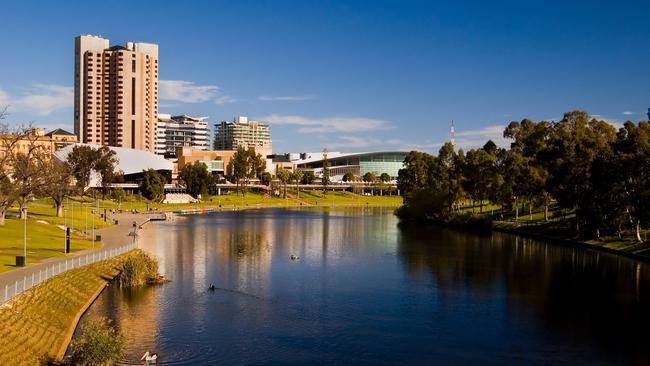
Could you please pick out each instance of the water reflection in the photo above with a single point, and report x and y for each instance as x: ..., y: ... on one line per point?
x: 582, y: 300
x: 367, y: 291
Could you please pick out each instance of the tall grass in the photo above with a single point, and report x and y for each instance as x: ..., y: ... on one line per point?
x: 138, y: 269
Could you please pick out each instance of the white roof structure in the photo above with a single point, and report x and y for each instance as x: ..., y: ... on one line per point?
x: 130, y: 161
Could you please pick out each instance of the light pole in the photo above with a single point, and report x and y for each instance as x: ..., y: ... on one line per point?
x: 25, y: 234
x: 65, y: 227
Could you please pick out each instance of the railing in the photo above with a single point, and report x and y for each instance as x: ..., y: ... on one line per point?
x: 37, y: 277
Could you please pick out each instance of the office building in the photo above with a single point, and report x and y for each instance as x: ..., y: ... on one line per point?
x: 116, y: 93
x: 243, y: 132
x: 183, y: 131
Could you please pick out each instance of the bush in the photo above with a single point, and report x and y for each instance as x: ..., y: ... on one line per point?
x: 100, y: 344
x: 138, y: 269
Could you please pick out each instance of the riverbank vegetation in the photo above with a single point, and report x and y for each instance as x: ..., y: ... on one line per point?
x: 139, y: 269
x: 37, y: 324
x: 580, y: 174
x: 100, y: 343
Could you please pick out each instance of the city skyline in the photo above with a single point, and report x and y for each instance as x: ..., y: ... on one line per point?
x: 344, y: 76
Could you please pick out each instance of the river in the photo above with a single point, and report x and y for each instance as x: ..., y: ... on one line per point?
x: 366, y: 290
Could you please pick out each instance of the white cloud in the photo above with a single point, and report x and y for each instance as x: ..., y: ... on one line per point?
x: 478, y: 138
x: 186, y: 91
x: 628, y: 113
x: 328, y: 124
x: 41, y: 99
x: 225, y: 99
x: 287, y: 98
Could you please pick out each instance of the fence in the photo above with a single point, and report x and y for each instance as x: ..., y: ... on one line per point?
x: 37, y: 277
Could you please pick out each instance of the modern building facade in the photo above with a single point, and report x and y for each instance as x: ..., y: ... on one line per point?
x: 389, y: 162
x: 180, y: 131
x: 116, y: 93
x: 242, y: 132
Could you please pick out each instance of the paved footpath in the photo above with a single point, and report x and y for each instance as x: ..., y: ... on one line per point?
x: 112, y: 237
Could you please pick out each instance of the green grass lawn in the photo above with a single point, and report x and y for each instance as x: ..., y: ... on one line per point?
x: 36, y: 322
x: 340, y: 198
x: 43, y: 240
x: 255, y: 199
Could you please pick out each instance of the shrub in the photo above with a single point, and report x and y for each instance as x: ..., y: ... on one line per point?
x: 138, y: 269
x: 100, y: 344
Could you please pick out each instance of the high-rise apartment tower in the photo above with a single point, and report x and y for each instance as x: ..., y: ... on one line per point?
x: 116, y: 93
x: 242, y: 132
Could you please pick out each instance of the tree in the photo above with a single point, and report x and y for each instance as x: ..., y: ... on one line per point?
x: 415, y: 173
x: 284, y: 176
x: 266, y: 178
x: 81, y: 161
x: 369, y: 177
x: 632, y: 151
x: 152, y: 186
x: 348, y: 177
x: 297, y: 177
x: 27, y: 172
x: 105, y: 161
x: 196, y: 178
x: 240, y: 167
x: 308, y: 177
x: 246, y: 165
x: 84, y: 160
x: 385, y: 177
x: 59, y: 185
x: 325, y: 180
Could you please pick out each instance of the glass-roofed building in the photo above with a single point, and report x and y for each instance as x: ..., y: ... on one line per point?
x: 389, y: 162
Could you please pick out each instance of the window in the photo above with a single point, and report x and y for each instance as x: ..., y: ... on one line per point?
x: 133, y: 66
x: 133, y: 133
x: 132, y: 95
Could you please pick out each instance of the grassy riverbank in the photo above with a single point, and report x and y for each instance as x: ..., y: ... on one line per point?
x: 255, y: 199
x: 39, y: 323
x: 559, y: 226
x: 45, y: 234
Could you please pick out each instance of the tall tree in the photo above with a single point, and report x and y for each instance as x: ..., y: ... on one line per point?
x: 325, y: 180
x: 196, y: 178
x: 284, y: 176
x: 297, y: 177
x: 152, y: 185
x: 59, y: 185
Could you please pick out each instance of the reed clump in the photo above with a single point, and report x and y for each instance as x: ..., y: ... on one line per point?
x: 139, y: 269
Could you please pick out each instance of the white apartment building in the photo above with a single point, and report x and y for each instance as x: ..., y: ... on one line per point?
x: 174, y: 131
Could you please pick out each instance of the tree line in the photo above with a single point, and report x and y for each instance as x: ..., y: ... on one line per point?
x: 582, y: 165
x: 28, y: 170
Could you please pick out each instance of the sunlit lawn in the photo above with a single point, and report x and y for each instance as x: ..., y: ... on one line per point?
x: 43, y: 241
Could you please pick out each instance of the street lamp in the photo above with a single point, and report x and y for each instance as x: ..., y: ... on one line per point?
x: 65, y: 228
x: 25, y: 234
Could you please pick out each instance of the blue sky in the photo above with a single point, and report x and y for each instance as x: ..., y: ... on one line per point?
x: 347, y: 75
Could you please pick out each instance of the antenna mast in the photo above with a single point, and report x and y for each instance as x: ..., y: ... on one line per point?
x: 452, y: 133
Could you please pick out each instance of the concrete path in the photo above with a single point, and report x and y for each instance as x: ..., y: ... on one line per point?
x: 112, y: 237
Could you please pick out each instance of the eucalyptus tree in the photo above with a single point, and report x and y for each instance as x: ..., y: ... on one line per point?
x: 284, y: 175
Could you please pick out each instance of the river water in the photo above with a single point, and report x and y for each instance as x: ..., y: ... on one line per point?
x: 369, y: 291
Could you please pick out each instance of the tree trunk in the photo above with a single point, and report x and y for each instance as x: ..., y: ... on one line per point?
x: 637, y: 229
x: 597, y: 233
x: 2, y: 215
x: 59, y: 209
x: 516, y: 212
x: 545, y: 211
x: 22, y: 203
x: 530, y: 211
